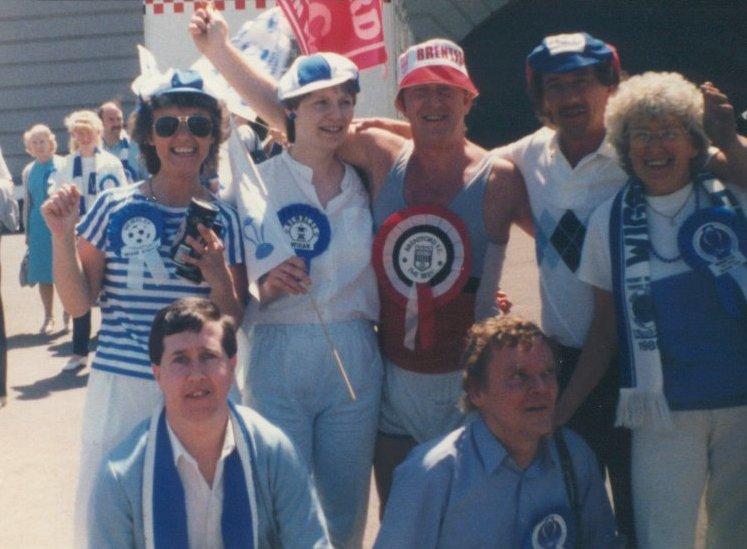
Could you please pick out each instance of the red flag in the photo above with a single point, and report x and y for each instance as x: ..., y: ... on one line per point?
x: 353, y: 28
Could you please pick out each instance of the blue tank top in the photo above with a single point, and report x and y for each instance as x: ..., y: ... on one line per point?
x: 440, y: 352
x: 467, y: 204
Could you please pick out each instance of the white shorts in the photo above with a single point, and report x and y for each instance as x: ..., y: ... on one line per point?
x: 423, y: 406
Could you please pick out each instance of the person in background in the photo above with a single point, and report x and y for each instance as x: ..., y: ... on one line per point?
x: 503, y: 480
x: 116, y: 141
x: 91, y: 170
x: 207, y: 473
x: 9, y: 220
x: 40, y: 143
x: 663, y: 256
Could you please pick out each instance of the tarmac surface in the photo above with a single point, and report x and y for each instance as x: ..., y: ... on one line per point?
x: 40, y: 426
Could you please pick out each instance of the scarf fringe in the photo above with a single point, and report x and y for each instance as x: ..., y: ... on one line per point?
x: 637, y: 409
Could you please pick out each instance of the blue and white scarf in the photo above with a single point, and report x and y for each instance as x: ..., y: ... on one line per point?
x: 124, y: 156
x: 642, y: 400
x: 164, y: 508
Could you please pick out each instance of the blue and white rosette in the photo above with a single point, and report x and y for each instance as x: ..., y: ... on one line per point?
x: 714, y: 241
x: 135, y: 233
x: 308, y: 230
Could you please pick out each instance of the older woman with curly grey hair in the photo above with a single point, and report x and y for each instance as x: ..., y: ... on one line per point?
x: 666, y: 257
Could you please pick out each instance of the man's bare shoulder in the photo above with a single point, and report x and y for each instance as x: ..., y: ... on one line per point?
x: 505, y: 199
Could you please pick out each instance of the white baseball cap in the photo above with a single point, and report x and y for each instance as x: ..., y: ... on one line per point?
x: 437, y: 61
x: 317, y: 71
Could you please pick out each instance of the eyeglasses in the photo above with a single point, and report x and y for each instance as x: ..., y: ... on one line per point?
x: 199, y: 126
x: 641, y: 138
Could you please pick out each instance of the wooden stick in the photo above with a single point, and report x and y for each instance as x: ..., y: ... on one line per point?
x: 331, y: 344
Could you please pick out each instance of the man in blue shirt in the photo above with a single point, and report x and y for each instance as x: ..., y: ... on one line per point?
x: 202, y: 472
x: 502, y: 480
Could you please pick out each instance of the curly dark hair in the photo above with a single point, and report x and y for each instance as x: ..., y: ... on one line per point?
x: 144, y: 124
x: 189, y: 314
x: 493, y: 334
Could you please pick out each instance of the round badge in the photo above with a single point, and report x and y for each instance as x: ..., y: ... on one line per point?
x: 423, y: 245
x: 135, y: 230
x: 550, y: 533
x: 307, y: 228
x: 712, y: 235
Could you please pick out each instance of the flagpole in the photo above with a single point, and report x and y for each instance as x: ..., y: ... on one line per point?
x: 312, y: 300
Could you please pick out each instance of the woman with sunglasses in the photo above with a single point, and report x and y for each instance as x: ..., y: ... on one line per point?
x: 91, y: 170
x: 122, y: 255
x: 291, y: 376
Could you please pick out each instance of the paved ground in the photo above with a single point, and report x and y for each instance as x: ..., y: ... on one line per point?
x: 40, y: 427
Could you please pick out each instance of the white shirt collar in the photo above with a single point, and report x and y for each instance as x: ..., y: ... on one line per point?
x: 605, y: 149
x: 179, y: 451
x: 304, y: 175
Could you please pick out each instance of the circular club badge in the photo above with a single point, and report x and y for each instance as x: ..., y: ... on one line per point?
x: 422, y: 258
x: 308, y: 229
x: 423, y: 245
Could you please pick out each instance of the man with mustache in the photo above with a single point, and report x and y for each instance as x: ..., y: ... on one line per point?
x: 118, y: 143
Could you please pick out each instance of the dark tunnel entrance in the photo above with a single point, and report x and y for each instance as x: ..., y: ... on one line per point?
x: 702, y: 40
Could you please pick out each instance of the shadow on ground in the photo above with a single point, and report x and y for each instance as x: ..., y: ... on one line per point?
x: 23, y: 341
x: 43, y: 388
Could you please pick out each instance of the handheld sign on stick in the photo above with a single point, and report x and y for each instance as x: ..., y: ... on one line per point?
x: 265, y: 240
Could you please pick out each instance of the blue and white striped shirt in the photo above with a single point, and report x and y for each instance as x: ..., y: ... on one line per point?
x: 127, y: 313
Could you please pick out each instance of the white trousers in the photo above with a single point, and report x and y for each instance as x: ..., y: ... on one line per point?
x: 706, y: 450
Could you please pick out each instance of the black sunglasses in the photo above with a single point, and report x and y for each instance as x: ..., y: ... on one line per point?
x: 199, y: 126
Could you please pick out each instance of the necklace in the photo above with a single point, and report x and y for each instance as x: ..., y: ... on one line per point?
x: 656, y: 254
x: 672, y: 217
x: 151, y: 196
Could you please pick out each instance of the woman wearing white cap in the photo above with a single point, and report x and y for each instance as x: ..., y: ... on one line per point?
x: 323, y: 206
x: 122, y: 253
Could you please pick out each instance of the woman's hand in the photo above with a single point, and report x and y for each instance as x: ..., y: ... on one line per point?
x: 718, y: 116
x: 61, y: 211
x: 209, y: 30
x: 289, y: 277
x: 210, y: 258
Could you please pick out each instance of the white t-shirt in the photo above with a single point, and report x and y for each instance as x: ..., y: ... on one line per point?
x: 562, y: 199
x: 596, y: 265
x: 343, y: 279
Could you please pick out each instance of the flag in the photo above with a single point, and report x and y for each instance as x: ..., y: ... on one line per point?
x: 265, y: 42
x: 265, y: 242
x: 358, y: 28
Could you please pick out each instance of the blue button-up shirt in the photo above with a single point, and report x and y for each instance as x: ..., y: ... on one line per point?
x: 464, y: 490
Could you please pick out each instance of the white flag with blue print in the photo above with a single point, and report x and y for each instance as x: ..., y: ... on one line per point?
x: 265, y: 242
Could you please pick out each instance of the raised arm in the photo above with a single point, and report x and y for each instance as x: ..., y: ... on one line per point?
x: 210, y: 34
x: 718, y: 118
x: 600, y: 347
x: 78, y: 267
